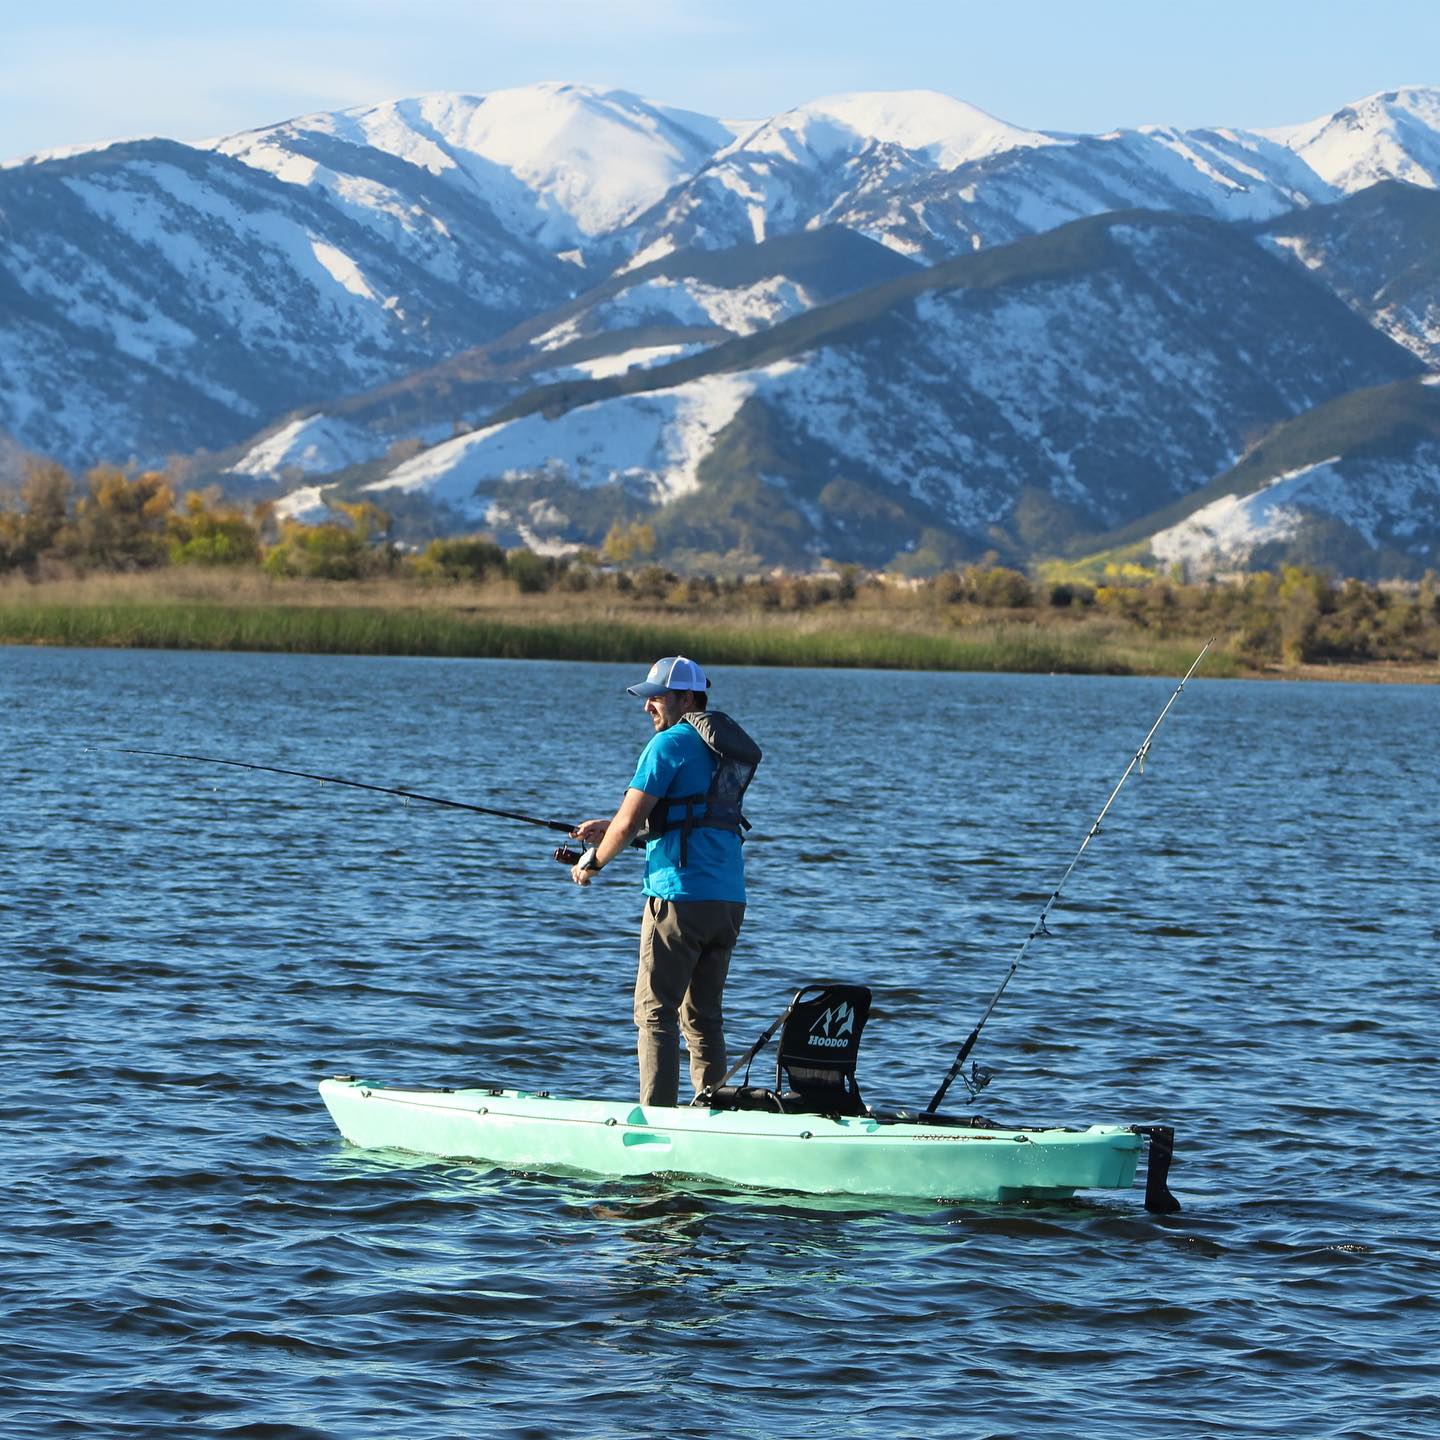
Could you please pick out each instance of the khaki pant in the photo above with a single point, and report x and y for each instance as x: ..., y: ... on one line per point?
x: 685, y: 950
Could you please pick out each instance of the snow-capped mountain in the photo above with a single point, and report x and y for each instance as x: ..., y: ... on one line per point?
x: 961, y: 180
x: 801, y: 168
x: 157, y: 298
x: 557, y: 165
x: 1069, y: 383
x: 1390, y: 136
x: 490, y: 275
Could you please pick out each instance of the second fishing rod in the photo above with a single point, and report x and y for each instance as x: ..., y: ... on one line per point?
x: 977, y: 1081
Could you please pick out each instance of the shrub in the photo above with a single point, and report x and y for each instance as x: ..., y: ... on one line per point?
x: 654, y: 582
x: 1001, y: 589
x: 531, y: 573
x: 318, y: 552
x: 1066, y: 594
x: 460, y: 558
x: 202, y: 536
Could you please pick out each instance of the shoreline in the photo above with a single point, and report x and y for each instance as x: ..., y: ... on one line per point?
x: 207, y: 614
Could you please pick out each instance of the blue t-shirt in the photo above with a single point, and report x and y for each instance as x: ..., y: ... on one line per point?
x: 678, y: 762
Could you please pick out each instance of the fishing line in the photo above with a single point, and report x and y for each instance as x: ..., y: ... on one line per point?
x: 559, y: 825
x: 979, y: 1080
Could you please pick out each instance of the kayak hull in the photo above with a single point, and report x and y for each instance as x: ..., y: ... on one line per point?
x: 812, y: 1154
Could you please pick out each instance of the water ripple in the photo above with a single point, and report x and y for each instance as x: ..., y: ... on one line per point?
x: 1247, y: 952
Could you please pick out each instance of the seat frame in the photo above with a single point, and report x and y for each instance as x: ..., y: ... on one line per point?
x: 815, y: 1058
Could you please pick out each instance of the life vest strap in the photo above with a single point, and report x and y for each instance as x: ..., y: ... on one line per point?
x: 736, y: 758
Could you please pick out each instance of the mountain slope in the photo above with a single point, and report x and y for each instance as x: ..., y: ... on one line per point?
x: 1351, y: 486
x: 1070, y: 382
x: 157, y: 298
x: 678, y: 305
x: 1379, y: 250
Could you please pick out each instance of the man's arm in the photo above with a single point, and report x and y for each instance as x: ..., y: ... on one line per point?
x: 634, y: 810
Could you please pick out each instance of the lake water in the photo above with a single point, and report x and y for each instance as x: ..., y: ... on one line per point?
x: 1247, y: 951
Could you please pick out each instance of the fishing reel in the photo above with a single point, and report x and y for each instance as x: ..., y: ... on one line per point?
x: 568, y: 856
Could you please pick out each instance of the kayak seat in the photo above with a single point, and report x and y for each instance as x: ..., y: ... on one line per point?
x: 815, y: 1061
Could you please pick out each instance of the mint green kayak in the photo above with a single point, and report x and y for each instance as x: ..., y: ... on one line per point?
x: 861, y: 1155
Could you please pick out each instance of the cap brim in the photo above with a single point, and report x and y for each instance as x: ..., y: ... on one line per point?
x: 646, y: 689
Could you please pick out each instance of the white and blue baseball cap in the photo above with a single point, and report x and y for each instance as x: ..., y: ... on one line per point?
x: 674, y: 672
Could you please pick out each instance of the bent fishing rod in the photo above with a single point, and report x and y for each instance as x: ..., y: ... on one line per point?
x: 1136, y: 761
x: 558, y: 825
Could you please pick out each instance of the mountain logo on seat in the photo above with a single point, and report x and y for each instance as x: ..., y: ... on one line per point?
x: 833, y: 1027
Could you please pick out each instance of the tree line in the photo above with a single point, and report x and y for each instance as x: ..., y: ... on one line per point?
x: 114, y: 521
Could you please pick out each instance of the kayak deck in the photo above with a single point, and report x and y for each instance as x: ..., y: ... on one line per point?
x: 863, y: 1155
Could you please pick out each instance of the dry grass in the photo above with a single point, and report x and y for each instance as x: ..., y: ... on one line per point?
x: 189, y: 607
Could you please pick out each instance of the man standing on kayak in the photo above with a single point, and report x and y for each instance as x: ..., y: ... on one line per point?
x: 685, y: 798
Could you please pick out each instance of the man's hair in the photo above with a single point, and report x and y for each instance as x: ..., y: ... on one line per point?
x: 700, y: 699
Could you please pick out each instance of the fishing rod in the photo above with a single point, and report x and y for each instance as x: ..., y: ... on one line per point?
x: 560, y: 825
x: 1137, y: 760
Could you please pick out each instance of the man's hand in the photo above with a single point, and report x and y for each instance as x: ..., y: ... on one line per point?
x: 590, y: 832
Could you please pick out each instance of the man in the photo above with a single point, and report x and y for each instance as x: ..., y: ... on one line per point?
x: 685, y: 797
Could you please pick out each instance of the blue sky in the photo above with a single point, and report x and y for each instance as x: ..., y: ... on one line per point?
x: 76, y: 71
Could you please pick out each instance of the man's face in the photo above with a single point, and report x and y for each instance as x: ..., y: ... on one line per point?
x: 665, y: 710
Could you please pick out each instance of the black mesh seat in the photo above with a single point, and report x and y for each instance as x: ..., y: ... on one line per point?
x: 815, y: 1062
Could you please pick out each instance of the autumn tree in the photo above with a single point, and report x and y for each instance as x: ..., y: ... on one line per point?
x: 121, y: 523
x: 625, y: 544
x: 366, y: 518
x: 36, y: 526
x: 1303, y: 596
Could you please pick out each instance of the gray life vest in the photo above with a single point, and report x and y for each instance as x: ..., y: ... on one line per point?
x: 737, y: 757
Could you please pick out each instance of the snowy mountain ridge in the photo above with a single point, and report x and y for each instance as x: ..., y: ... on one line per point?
x: 1065, y: 385
x: 1391, y: 135
x: 946, y: 132
x: 560, y: 163
x: 303, y: 299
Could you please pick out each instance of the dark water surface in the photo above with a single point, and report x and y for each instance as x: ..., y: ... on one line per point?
x: 1248, y: 951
